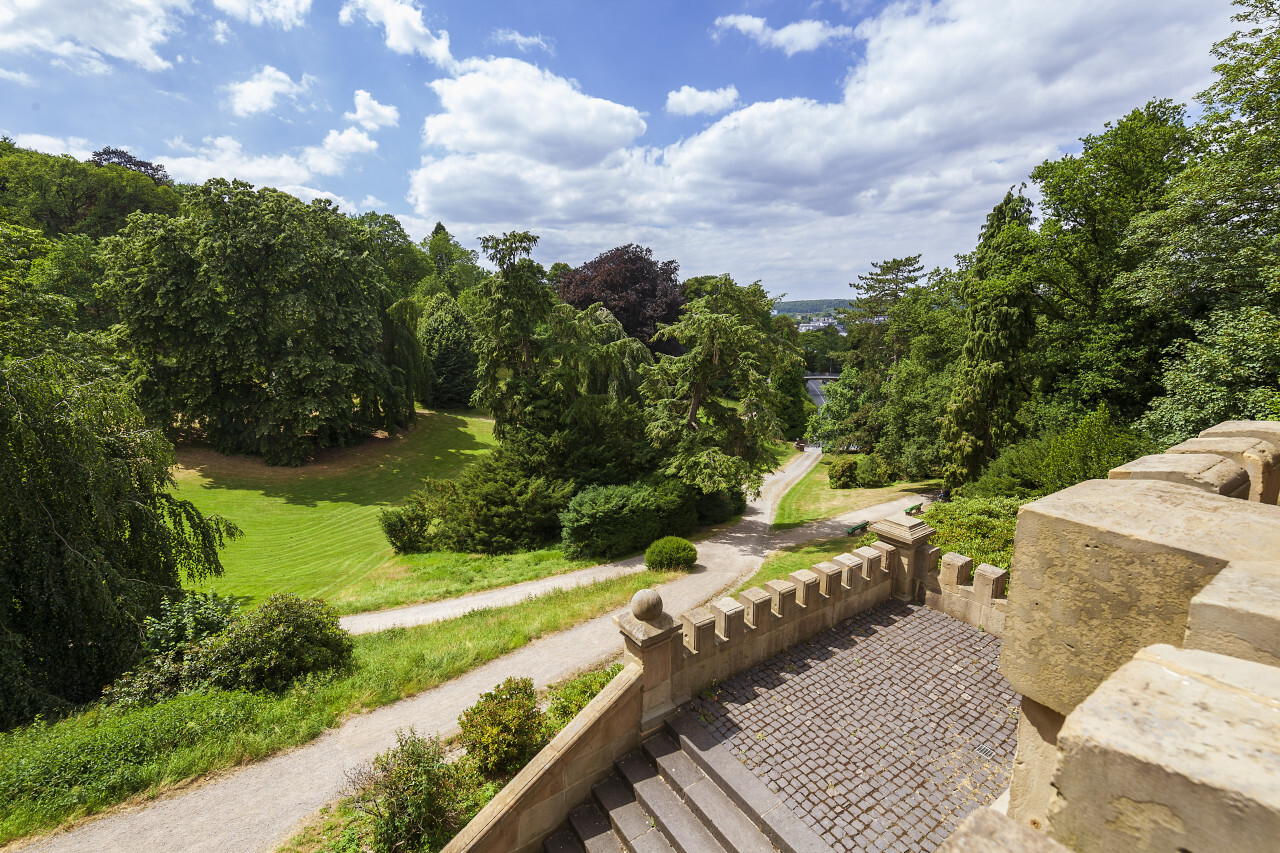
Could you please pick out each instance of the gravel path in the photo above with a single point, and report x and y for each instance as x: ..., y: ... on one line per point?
x: 260, y: 806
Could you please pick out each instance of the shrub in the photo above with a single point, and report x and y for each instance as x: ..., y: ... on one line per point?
x: 414, y: 798
x: 154, y: 680
x: 283, y: 638
x: 565, y: 701
x: 188, y: 619
x: 872, y: 471
x: 609, y: 521
x: 715, y: 507
x: 843, y: 473
x: 671, y: 552
x: 504, y: 728
x: 981, y: 528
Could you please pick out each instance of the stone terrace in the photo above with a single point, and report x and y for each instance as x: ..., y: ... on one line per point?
x: 871, y: 730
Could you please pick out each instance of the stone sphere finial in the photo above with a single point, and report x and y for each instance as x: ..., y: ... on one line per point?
x: 646, y: 605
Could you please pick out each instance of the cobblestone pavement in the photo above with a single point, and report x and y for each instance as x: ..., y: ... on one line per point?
x: 871, y: 731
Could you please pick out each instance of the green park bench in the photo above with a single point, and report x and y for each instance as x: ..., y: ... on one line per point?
x: 912, y: 510
x: 859, y: 528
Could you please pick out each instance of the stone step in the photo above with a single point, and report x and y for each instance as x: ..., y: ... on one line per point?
x: 594, y: 830
x: 634, y: 828
x: 760, y: 805
x: 562, y: 841
x: 677, y: 821
x: 715, y: 809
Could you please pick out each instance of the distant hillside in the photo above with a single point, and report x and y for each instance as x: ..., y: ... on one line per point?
x: 810, y: 306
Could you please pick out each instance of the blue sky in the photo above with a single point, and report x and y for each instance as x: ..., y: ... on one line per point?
x: 795, y: 143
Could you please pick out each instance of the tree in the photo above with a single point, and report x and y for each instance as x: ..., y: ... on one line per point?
x: 92, y: 540
x: 991, y: 380
x: 449, y: 340
x: 402, y: 262
x: 725, y: 336
x: 109, y: 156
x: 641, y: 292
x: 260, y: 322
x: 454, y: 269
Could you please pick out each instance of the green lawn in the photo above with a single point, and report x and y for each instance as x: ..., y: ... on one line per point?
x: 314, y: 530
x: 813, y: 499
x: 781, y: 564
x: 50, y: 774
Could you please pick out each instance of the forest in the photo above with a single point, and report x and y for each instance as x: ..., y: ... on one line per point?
x: 1123, y: 299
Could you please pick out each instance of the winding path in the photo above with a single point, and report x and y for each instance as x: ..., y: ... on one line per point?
x: 261, y: 806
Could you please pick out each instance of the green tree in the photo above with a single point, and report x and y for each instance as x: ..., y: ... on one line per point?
x: 724, y: 331
x: 92, y: 540
x: 403, y: 263
x: 454, y: 268
x: 260, y: 322
x: 449, y: 340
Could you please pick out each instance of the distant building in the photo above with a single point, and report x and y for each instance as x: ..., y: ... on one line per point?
x: 819, y: 324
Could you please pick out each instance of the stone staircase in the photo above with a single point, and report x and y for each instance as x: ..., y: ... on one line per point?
x: 683, y: 792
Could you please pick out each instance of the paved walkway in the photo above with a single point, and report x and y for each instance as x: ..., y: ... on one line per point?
x: 882, y: 733
x: 260, y: 806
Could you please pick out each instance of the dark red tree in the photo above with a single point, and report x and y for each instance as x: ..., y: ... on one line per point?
x: 638, y: 290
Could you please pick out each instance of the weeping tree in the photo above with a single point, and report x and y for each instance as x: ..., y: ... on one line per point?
x: 91, y: 540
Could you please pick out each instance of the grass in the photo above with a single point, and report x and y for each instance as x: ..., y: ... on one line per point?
x: 813, y: 499
x: 53, y: 773
x: 780, y: 564
x: 314, y: 530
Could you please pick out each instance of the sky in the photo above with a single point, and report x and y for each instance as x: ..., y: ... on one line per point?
x: 788, y: 142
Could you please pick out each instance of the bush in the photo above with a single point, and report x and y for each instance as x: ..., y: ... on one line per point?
x: 188, y: 619
x: 610, y: 521
x: 283, y: 638
x: 843, y: 473
x: 981, y: 528
x: 504, y: 728
x: 414, y: 798
x: 716, y: 507
x: 565, y: 701
x: 671, y: 552
x: 861, y: 471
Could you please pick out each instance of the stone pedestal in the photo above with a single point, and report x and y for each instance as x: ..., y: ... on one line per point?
x: 910, y: 538
x: 653, y: 644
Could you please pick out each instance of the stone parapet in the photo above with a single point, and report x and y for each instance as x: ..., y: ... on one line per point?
x: 1177, y: 750
x: 977, y: 597
x: 1258, y: 458
x: 988, y: 831
x: 1208, y: 472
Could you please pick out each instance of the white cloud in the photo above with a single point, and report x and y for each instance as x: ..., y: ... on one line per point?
x: 688, y: 101
x: 311, y: 193
x: 83, y: 36
x: 225, y: 157
x: 794, y: 38
x: 370, y: 202
x: 372, y: 115
x: 261, y: 91
x: 508, y: 105
x: 331, y: 156
x: 285, y: 14
x: 951, y: 104
x: 221, y: 32
x: 76, y: 146
x: 404, y: 29
x: 522, y: 42
x: 22, y: 78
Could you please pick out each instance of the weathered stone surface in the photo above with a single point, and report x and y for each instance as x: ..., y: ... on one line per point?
x: 1109, y: 566
x: 989, y: 582
x: 1031, y: 789
x: 957, y: 569
x: 646, y: 604
x: 1206, y: 471
x: 1258, y: 458
x: 1178, y: 750
x: 1265, y: 430
x: 1238, y: 613
x: 988, y: 831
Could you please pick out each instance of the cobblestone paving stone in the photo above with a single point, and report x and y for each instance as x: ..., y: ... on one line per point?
x: 870, y: 731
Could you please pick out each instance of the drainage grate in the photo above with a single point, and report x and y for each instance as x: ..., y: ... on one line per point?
x: 985, y: 751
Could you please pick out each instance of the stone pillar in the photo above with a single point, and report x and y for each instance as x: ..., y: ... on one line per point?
x: 649, y: 635
x: 1031, y: 787
x: 910, y: 536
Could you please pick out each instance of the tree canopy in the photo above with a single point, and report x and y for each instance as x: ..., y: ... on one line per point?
x: 641, y: 292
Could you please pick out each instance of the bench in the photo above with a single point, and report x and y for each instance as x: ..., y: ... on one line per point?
x: 860, y: 527
x: 912, y: 510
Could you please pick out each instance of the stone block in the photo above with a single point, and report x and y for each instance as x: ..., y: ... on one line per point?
x: 1238, y: 613
x: 806, y: 587
x: 988, y: 831
x: 1208, y: 472
x: 756, y: 603
x: 957, y: 569
x: 1178, y: 750
x: 830, y: 580
x: 699, y: 630
x: 993, y: 621
x: 1258, y: 458
x: 1034, y: 763
x: 848, y: 561
x: 873, y: 561
x: 783, y: 594
x: 1107, y: 567
x: 989, y: 583
x: 730, y: 622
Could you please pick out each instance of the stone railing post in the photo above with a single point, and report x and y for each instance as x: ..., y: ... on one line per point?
x: 910, y: 538
x: 649, y: 635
